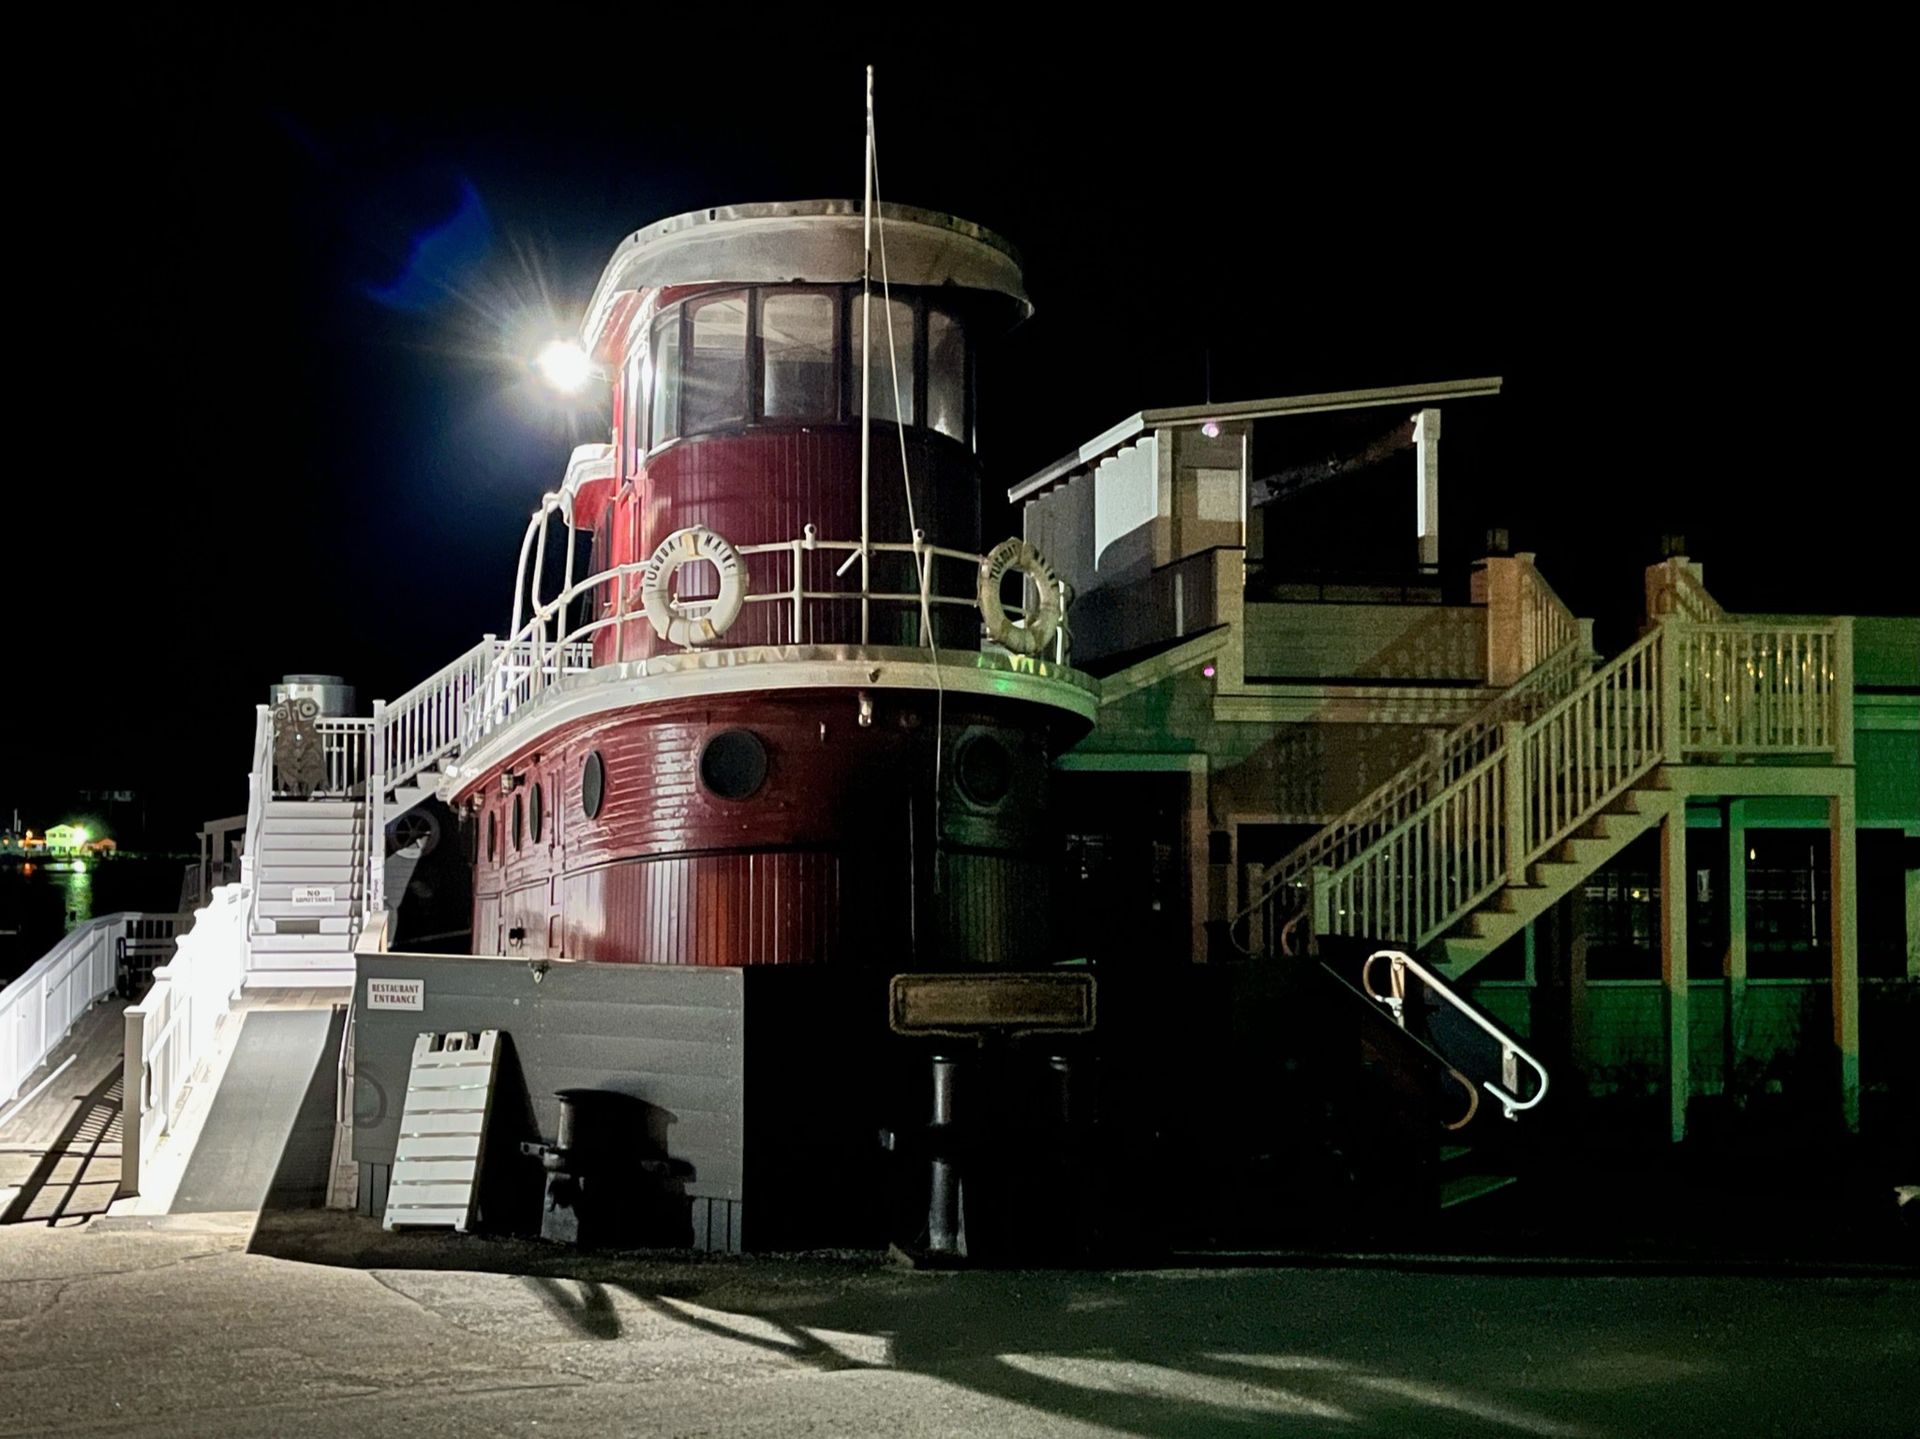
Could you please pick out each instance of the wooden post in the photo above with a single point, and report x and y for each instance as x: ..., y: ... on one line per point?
x: 1673, y: 962
x: 1426, y: 453
x: 1733, y: 963
x: 1845, y: 948
x: 1322, y: 901
x: 1666, y: 650
x: 133, y: 1095
x: 1913, y: 912
x: 1843, y: 690
x: 1513, y: 791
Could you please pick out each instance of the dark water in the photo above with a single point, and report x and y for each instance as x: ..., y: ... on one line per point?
x: 42, y: 901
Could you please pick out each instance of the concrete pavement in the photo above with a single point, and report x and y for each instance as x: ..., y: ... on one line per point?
x: 168, y: 1326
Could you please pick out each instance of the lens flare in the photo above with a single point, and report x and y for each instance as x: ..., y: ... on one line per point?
x: 565, y: 366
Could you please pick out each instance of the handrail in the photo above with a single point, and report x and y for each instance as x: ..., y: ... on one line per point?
x: 1682, y: 691
x: 40, y: 1006
x: 1402, y: 793
x: 1506, y: 1091
x: 511, y: 681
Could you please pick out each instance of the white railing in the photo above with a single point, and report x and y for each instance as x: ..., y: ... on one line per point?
x: 1547, y: 626
x: 545, y: 647
x: 1586, y: 751
x: 1281, y: 892
x: 426, y: 724
x: 171, y: 1029
x: 1752, y: 691
x: 1682, y: 692
x: 40, y: 1008
x: 1512, y: 1056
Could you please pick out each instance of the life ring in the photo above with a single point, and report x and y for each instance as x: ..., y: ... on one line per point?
x: 1032, y: 635
x: 696, y: 542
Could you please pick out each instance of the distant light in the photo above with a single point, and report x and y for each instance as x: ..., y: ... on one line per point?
x: 1207, y: 671
x: 1211, y: 429
x: 565, y: 366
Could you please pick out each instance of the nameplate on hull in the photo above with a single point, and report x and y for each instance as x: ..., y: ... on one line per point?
x: 978, y: 1004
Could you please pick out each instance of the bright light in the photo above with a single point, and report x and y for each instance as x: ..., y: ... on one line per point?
x: 1211, y: 429
x: 1208, y: 671
x: 565, y: 366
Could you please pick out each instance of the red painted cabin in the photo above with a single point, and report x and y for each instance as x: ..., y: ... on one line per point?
x: 787, y: 793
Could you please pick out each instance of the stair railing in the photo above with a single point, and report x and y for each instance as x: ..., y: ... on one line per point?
x: 425, y: 724
x: 1681, y: 692
x: 1282, y: 891
x: 1512, y: 1056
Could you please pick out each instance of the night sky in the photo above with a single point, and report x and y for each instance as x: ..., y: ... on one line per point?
x: 286, y: 283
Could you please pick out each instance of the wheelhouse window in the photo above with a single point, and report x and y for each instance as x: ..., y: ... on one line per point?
x: 633, y: 407
x: 946, y: 376
x: 713, y: 376
x: 887, y: 405
x: 797, y: 356
x: 666, y: 378
x: 785, y: 355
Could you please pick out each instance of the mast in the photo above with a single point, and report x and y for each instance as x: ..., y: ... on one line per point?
x: 866, y: 349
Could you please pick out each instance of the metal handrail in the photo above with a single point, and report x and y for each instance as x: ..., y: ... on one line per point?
x: 1511, y: 1054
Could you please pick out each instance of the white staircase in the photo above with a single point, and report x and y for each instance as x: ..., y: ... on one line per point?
x: 309, y: 893
x: 1454, y: 855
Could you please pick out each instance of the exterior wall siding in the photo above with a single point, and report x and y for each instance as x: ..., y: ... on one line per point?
x: 1431, y: 644
x: 671, y: 1037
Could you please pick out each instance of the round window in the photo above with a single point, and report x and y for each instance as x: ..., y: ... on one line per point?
x: 519, y: 820
x: 984, y: 770
x: 493, y: 836
x: 734, y: 764
x: 539, y: 806
x: 593, y: 785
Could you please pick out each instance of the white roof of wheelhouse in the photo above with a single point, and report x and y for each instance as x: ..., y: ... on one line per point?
x: 805, y: 242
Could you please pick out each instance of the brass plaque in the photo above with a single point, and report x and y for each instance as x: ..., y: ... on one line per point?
x: 972, y: 1004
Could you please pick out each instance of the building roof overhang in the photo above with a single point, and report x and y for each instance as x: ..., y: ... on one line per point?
x: 1187, y: 416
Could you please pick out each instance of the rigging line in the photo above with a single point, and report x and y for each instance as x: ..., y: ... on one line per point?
x: 922, y: 560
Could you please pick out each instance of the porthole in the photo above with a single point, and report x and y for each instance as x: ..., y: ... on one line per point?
x: 593, y: 785
x: 734, y: 764
x: 493, y: 837
x: 519, y: 820
x: 984, y: 770
x: 539, y: 806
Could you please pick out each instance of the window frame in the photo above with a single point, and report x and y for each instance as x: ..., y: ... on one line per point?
x: 678, y: 317
x: 836, y: 351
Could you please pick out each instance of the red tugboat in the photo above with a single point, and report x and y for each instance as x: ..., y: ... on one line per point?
x: 781, y: 709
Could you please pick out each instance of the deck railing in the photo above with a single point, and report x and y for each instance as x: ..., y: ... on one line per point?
x: 546, y: 647
x: 40, y: 1008
x: 170, y: 1031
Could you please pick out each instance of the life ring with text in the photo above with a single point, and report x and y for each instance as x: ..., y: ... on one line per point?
x: 696, y: 542
x: 1032, y: 635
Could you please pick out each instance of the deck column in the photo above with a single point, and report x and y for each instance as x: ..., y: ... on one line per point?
x: 1913, y: 913
x: 1673, y: 962
x: 1844, y: 946
x: 1733, y: 962
x: 1426, y: 452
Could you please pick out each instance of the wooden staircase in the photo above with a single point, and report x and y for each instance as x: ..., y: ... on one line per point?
x: 1515, y: 905
x: 1505, y: 815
